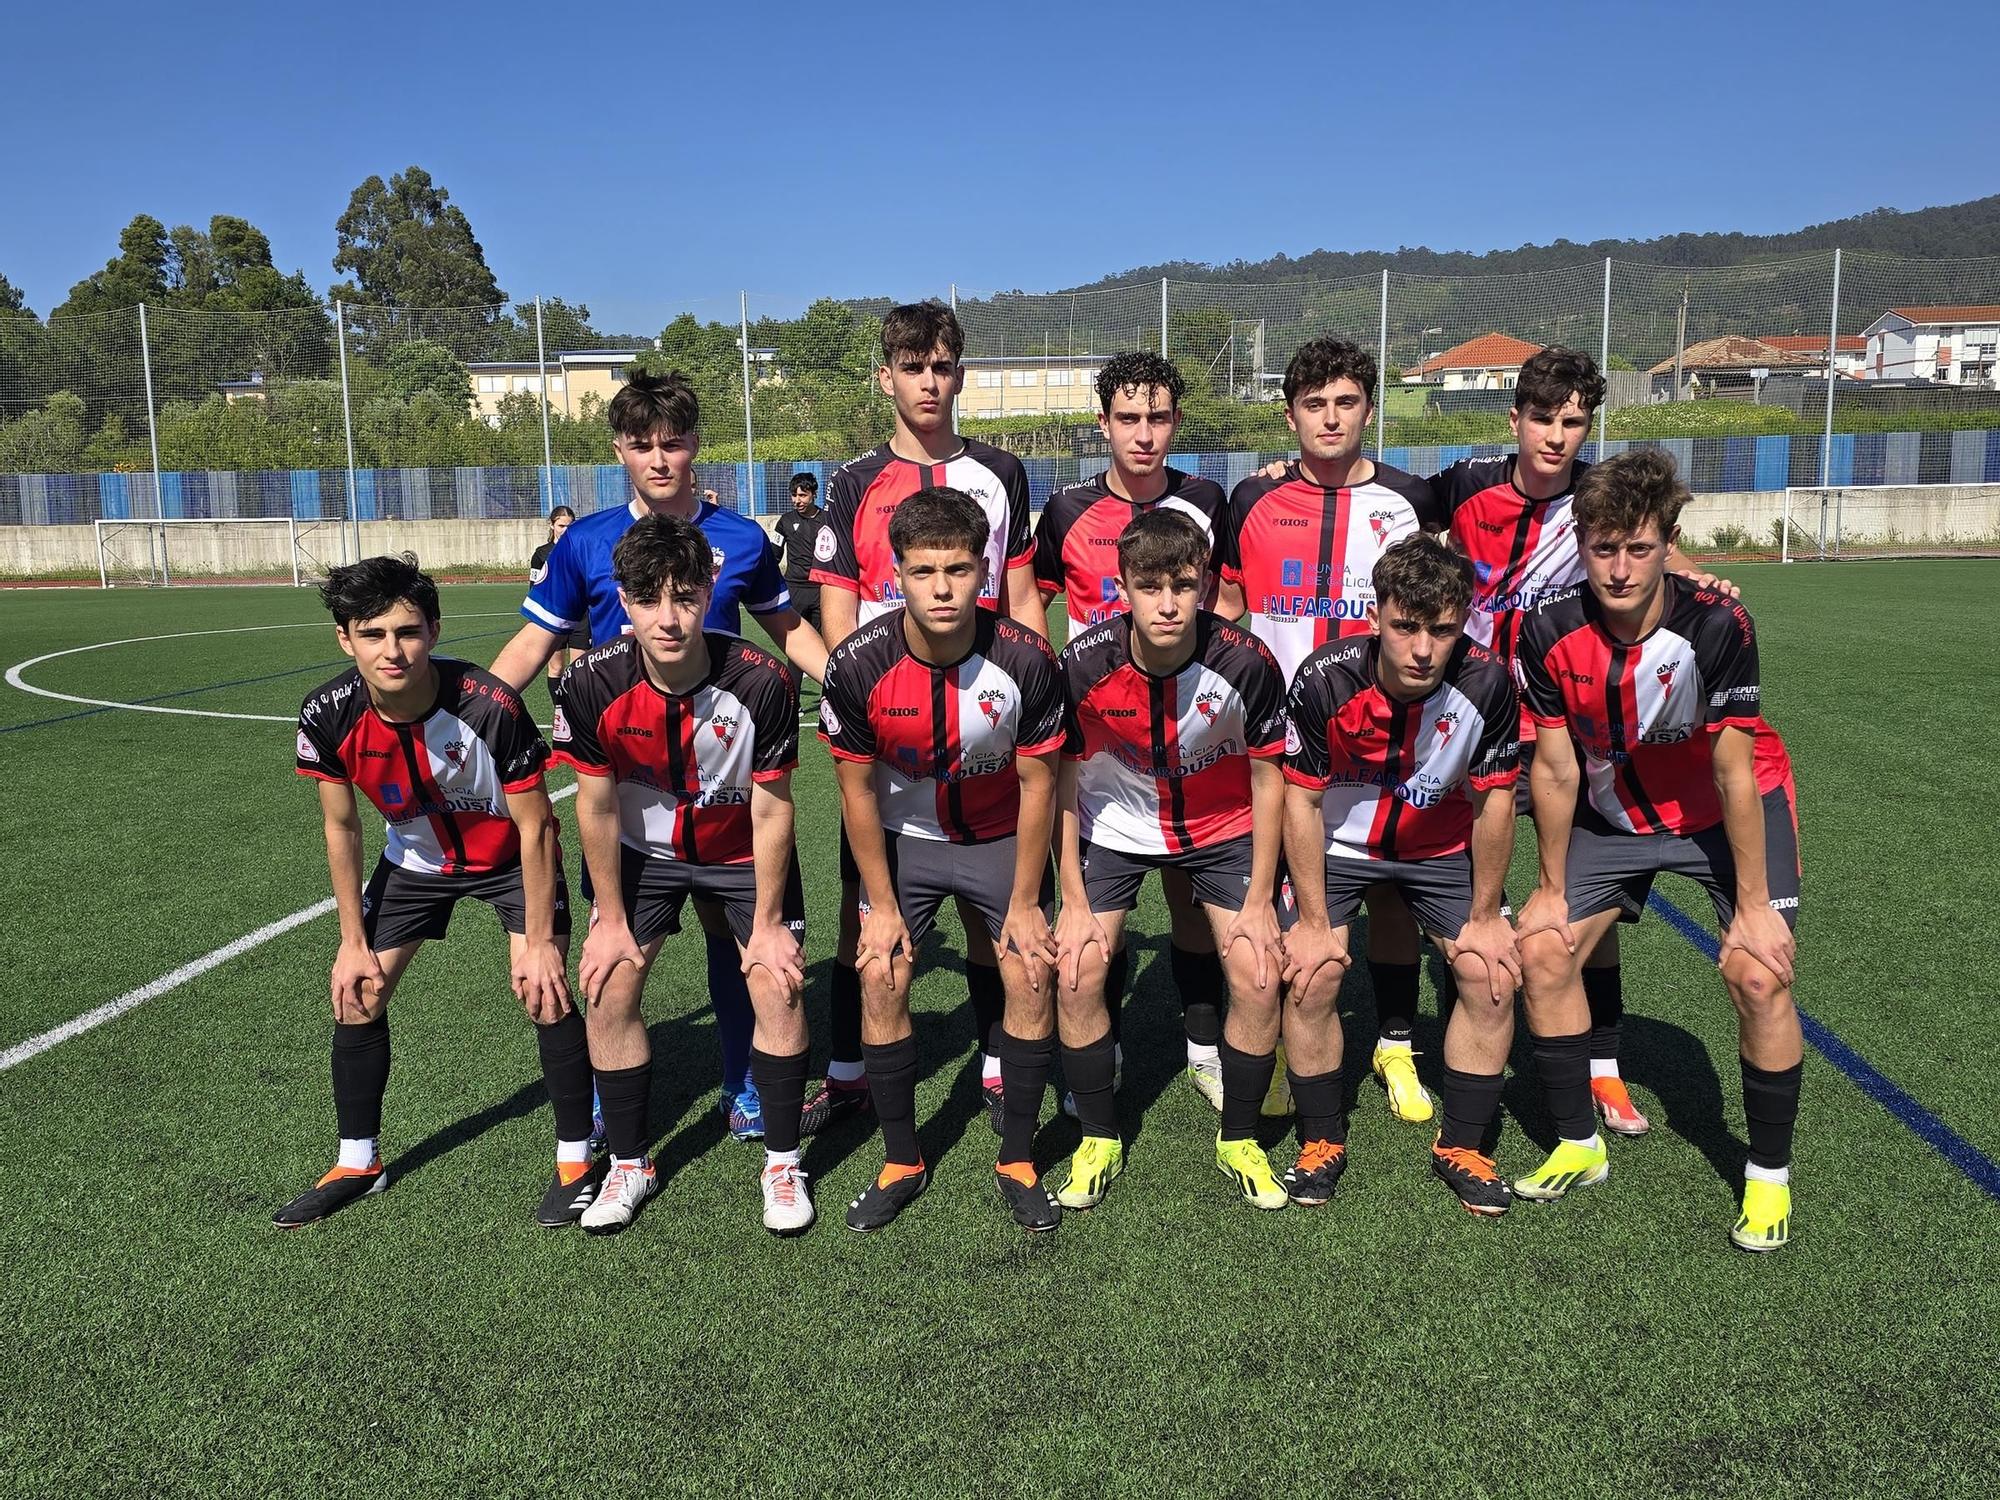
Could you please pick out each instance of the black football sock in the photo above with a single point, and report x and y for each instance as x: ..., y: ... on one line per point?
x: 1564, y: 1063
x: 1471, y: 1104
x: 1246, y: 1079
x: 1318, y: 1099
x: 1024, y: 1075
x: 1604, y: 989
x: 781, y: 1084
x: 360, y: 1077
x: 1089, y: 1070
x: 1395, y: 999
x: 565, y: 1050
x: 989, y: 1005
x: 892, y: 1082
x: 844, y: 1015
x: 729, y: 997
x: 624, y: 1096
x: 1116, y: 973
x: 1771, y: 1106
x: 1204, y: 994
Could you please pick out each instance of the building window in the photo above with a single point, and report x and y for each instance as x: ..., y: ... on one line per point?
x: 489, y: 384
x: 988, y: 379
x: 1975, y: 374
x: 1020, y: 377
x: 1058, y: 377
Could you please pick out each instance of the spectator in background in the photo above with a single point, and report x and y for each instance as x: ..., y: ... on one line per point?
x: 573, y: 645
x: 798, y: 533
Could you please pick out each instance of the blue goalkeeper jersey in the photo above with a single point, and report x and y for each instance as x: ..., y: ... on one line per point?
x: 578, y: 588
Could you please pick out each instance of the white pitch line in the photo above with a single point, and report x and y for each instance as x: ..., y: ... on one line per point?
x: 15, y: 679
x: 90, y: 1020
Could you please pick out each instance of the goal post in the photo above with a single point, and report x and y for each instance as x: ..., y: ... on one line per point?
x: 1847, y: 522
x: 158, y: 553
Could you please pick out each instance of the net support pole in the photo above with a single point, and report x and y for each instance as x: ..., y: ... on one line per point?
x: 749, y: 434
x: 152, y: 422
x: 347, y: 421
x: 1381, y: 372
x: 542, y: 370
x: 1604, y: 360
x: 292, y: 536
x: 954, y: 298
x: 1163, y: 317
x: 1832, y: 362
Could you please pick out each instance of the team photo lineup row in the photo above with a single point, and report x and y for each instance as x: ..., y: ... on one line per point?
x: 1337, y: 668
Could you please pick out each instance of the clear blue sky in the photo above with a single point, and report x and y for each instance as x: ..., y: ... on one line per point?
x: 662, y: 162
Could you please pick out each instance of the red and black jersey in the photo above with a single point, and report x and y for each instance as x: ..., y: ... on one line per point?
x: 684, y: 762
x: 1076, y: 541
x: 1642, y: 712
x: 852, y: 551
x: 1399, y: 777
x: 1305, y: 555
x: 440, y: 781
x: 943, y: 739
x: 1165, y: 761
x: 1521, y: 550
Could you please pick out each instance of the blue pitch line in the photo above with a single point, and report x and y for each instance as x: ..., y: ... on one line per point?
x: 1975, y: 1164
x: 213, y: 687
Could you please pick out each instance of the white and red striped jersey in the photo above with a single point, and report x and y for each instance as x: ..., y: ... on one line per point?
x: 1398, y: 777
x: 1076, y: 540
x: 1521, y: 550
x: 441, y: 782
x: 1643, y: 713
x: 684, y: 762
x: 852, y: 550
x: 1305, y: 555
x: 943, y: 738
x: 1164, y: 762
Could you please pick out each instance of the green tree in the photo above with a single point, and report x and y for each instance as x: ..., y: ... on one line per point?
x: 49, y: 441
x: 422, y: 367
x: 11, y: 299
x: 407, y: 245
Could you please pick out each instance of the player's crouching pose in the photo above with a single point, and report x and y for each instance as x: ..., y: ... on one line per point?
x: 685, y: 740
x: 1404, y: 753
x: 1655, y: 678
x: 1170, y: 763
x: 944, y: 721
x: 448, y: 755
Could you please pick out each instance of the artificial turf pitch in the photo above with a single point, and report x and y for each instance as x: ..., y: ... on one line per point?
x: 160, y: 1337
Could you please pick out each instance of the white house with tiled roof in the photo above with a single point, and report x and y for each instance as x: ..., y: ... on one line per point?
x: 1954, y: 344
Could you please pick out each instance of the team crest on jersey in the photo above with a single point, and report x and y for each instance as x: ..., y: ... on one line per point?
x: 1666, y: 676
x: 1445, y: 724
x: 717, y: 556
x: 306, y: 751
x: 993, y: 703
x: 823, y: 545
x: 1208, y: 704
x: 454, y: 755
x: 1378, y: 522
x: 724, y: 726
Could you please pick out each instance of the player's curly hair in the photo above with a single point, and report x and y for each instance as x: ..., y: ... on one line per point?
x: 1140, y: 370
x: 375, y: 585
x: 661, y: 553
x: 942, y: 518
x: 645, y: 404
x: 918, y: 328
x: 1322, y: 361
x: 1425, y: 577
x: 1619, y: 496
x: 1550, y: 378
x: 1161, y: 543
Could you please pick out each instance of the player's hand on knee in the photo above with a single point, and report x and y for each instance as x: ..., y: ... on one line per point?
x: 1026, y: 932
x: 775, y: 947
x: 541, y: 981
x: 1256, y: 923
x: 1309, y: 948
x: 1762, y: 934
x: 357, y: 981
x: 1491, y: 941
x: 883, y: 936
x: 1546, y: 911
x: 604, y: 950
x: 1077, y: 930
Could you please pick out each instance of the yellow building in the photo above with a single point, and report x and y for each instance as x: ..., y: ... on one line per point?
x: 1020, y: 385
x: 573, y: 374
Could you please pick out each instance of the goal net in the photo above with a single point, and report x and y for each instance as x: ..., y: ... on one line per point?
x: 1834, y: 522
x: 160, y: 553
